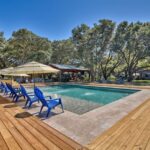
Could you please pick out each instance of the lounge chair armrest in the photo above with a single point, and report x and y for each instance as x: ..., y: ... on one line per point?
x: 48, y: 97
x: 17, y: 89
x: 55, y: 99
x: 31, y: 94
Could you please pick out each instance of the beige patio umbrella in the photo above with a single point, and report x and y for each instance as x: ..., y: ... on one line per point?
x: 34, y: 68
x: 6, y: 70
x: 10, y: 72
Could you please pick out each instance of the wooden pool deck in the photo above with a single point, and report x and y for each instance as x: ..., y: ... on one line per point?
x: 20, y: 130
x: 130, y: 133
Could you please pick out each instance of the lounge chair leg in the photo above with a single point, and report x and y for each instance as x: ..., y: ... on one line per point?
x: 30, y: 104
x: 14, y: 97
x: 41, y: 109
x: 48, y: 111
x: 61, y: 105
x: 17, y: 97
x: 26, y: 103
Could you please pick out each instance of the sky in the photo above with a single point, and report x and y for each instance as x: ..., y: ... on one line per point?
x: 55, y: 19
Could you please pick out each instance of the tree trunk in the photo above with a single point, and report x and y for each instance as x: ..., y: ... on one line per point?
x: 92, y: 73
x: 105, y: 76
x: 130, y: 75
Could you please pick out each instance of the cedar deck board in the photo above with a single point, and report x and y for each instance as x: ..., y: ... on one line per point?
x: 131, y: 132
x: 29, y: 129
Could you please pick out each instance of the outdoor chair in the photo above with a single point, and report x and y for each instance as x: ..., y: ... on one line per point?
x: 15, y: 92
x: 5, y: 89
x: 50, y: 103
x: 29, y: 96
x: 1, y: 87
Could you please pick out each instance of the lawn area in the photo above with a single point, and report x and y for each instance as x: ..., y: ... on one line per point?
x: 141, y: 82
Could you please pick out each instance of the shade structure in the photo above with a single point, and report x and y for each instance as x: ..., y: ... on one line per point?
x: 34, y: 68
x: 10, y: 72
x: 17, y: 75
x: 6, y: 70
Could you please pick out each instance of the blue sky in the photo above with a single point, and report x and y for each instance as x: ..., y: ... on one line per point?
x: 56, y: 18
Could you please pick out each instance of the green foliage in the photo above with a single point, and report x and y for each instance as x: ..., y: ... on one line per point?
x: 141, y: 81
x: 63, y: 52
x: 106, y: 49
x: 25, y: 46
x: 132, y: 42
x: 3, y: 44
x: 94, y: 48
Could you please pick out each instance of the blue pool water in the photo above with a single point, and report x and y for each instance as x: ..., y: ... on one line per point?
x: 99, y: 95
x: 81, y: 99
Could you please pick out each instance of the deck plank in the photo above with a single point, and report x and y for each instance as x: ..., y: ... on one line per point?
x: 9, y: 139
x: 131, y: 132
x: 15, y: 133
x: 3, y: 144
x: 21, y: 130
x: 59, y: 139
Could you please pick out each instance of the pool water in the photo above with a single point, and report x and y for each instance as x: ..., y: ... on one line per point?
x: 102, y: 95
x: 80, y: 99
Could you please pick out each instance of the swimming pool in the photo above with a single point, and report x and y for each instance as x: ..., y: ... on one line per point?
x: 80, y: 99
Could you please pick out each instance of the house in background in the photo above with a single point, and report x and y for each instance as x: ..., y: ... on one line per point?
x: 70, y: 72
x: 144, y: 74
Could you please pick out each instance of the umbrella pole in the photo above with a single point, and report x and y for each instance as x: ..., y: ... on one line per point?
x: 33, y: 79
x: 12, y: 80
x: 43, y: 78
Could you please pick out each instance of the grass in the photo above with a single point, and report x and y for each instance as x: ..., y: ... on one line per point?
x: 141, y: 82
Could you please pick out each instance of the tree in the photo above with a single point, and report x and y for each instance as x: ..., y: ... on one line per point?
x: 26, y: 46
x: 94, y: 48
x: 132, y: 42
x: 3, y: 44
x: 63, y: 52
x: 81, y: 39
x: 101, y: 37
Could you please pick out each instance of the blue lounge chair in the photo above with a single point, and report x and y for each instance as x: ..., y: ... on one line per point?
x: 15, y: 92
x: 1, y: 86
x: 50, y: 103
x: 30, y: 97
x: 6, y: 90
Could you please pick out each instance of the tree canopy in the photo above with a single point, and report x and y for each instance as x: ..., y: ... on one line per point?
x: 106, y: 48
